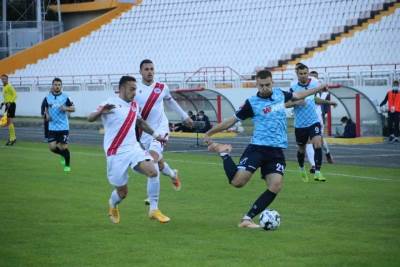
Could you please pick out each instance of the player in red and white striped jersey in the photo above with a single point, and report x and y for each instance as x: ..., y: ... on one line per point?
x: 151, y: 96
x: 120, y: 115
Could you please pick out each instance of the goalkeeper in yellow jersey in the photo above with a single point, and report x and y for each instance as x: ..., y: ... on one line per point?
x: 9, y: 99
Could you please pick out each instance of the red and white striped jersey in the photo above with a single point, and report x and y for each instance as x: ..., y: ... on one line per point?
x: 151, y: 100
x: 119, y: 126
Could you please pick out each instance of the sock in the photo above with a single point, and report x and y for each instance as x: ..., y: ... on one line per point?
x: 153, y: 189
x: 168, y: 171
x: 318, y: 159
x: 11, y: 131
x: 325, y: 146
x: 115, y: 199
x: 57, y: 151
x: 310, y: 154
x: 263, y: 201
x: 229, y: 167
x: 300, y: 159
x: 67, y: 156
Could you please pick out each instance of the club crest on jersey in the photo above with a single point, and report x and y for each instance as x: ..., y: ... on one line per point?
x: 157, y: 90
x: 267, y: 109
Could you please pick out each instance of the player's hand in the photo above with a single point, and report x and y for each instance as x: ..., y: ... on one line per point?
x: 207, y: 140
x: 324, y: 87
x: 107, y: 108
x: 334, y: 104
x: 162, y: 139
x: 188, y: 122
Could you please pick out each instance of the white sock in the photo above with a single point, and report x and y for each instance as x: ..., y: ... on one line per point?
x: 115, y: 199
x: 310, y: 154
x: 222, y: 154
x: 153, y: 190
x: 168, y: 171
x: 325, y: 146
x: 245, y: 217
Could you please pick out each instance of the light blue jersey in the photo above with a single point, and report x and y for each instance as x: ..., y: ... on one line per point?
x: 269, y: 118
x: 305, y: 115
x: 59, y: 118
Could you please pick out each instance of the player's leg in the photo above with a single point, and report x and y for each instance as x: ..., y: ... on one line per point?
x: 272, y: 171
x: 150, y: 169
x: 165, y: 169
x: 64, y: 151
x: 310, y: 156
x: 117, y: 174
x: 391, y: 125
x: 10, y: 123
x: 239, y: 175
x: 302, y: 139
x: 396, y: 126
x: 316, y: 140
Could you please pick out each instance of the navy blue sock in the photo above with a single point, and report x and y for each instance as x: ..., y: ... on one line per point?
x: 263, y: 201
x: 318, y: 158
x: 229, y: 167
x: 300, y: 159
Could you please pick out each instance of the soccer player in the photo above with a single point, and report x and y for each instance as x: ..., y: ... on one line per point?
x: 120, y: 115
x: 9, y: 98
x: 151, y: 96
x: 321, y: 99
x: 265, y: 151
x: 306, y: 122
x: 57, y: 105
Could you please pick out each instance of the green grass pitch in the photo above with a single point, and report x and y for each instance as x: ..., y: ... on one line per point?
x: 49, y: 218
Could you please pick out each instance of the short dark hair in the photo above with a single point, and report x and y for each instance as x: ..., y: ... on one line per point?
x: 301, y: 66
x: 4, y: 75
x: 125, y: 79
x: 395, y: 82
x: 314, y: 72
x: 344, y: 119
x: 56, y: 80
x: 263, y: 74
x: 145, y: 61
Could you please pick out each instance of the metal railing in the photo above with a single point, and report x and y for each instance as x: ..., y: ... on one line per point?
x: 19, y: 35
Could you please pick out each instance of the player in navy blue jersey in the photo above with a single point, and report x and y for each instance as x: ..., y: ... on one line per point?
x: 265, y: 151
x: 56, y: 107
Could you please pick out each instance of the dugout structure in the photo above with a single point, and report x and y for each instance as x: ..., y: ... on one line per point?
x: 216, y: 106
x: 357, y: 106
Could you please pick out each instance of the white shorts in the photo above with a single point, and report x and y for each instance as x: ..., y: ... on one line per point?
x: 153, y: 144
x: 118, y: 165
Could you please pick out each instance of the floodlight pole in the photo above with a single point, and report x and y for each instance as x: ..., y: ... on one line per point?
x: 39, y: 19
x: 4, y: 27
x: 59, y: 16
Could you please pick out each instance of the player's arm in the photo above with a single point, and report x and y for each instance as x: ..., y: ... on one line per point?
x: 226, y: 124
x: 291, y: 103
x: 68, y: 107
x: 384, y: 101
x: 321, y: 101
x: 172, y: 104
x: 303, y: 94
x: 142, y: 124
x: 100, y: 110
x: 243, y: 113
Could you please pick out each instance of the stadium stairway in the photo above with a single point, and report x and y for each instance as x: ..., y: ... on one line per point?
x: 336, y: 38
x: 44, y: 49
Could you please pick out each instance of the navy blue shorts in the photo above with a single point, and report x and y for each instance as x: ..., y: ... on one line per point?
x: 303, y: 135
x: 269, y: 159
x: 58, y: 136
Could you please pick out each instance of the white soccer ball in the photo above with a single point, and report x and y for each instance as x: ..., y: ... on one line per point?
x: 270, y: 219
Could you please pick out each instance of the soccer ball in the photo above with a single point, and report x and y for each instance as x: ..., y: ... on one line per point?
x: 270, y: 219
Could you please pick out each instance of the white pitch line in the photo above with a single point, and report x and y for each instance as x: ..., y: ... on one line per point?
x: 100, y: 154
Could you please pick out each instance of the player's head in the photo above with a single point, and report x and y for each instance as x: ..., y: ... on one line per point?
x: 4, y: 79
x: 314, y: 74
x: 127, y: 88
x: 147, y: 71
x: 56, y: 85
x: 264, y: 82
x: 344, y: 120
x: 302, y: 72
x: 395, y: 85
